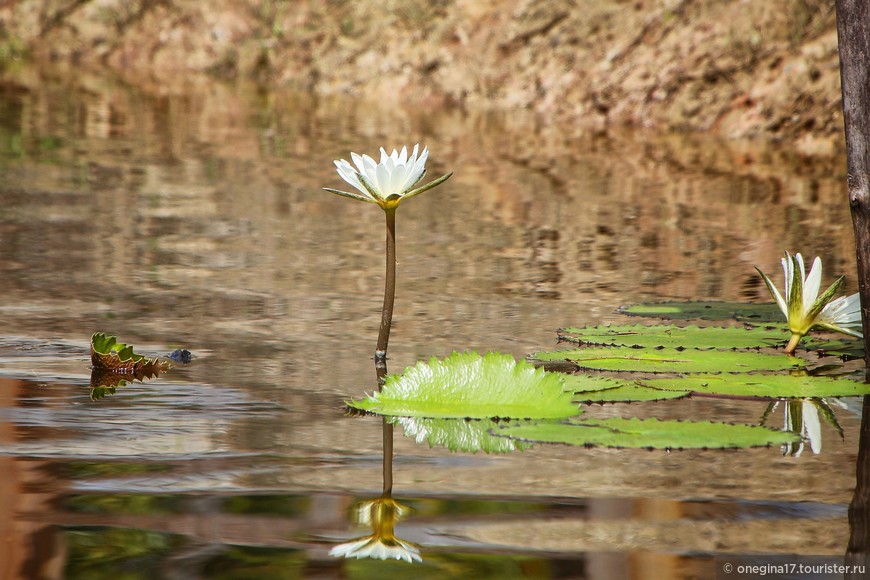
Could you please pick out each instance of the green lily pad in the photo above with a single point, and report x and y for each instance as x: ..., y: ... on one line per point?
x: 763, y: 386
x: 458, y: 434
x: 649, y: 433
x: 598, y: 389
x: 670, y: 360
x: 669, y: 335
x: 747, y: 312
x: 583, y: 383
x: 467, y: 385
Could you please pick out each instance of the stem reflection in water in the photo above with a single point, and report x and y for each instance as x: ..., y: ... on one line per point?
x: 381, y: 370
x: 382, y: 513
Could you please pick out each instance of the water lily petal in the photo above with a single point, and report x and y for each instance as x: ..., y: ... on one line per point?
x: 370, y: 168
x: 397, y: 177
x: 349, y: 174
x: 420, y: 162
x: 845, y: 310
x: 403, y: 179
x: 799, y: 260
x: 372, y: 189
x: 358, y: 161
x: 797, y: 322
x: 787, y: 272
x: 812, y: 283
x: 382, y: 180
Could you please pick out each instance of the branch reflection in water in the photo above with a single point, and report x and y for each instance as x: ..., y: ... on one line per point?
x: 382, y: 513
x: 858, y: 550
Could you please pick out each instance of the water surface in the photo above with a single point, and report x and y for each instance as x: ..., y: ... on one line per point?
x: 196, y: 219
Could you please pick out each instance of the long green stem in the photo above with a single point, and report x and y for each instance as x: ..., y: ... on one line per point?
x: 389, y: 287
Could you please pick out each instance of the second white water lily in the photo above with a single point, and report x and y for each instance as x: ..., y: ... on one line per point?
x: 805, y: 308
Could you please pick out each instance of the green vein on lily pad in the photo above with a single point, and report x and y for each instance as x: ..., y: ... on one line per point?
x: 458, y: 434
x: 648, y: 433
x: 669, y: 335
x: 467, y: 385
x: 670, y: 360
x: 743, y: 311
x: 763, y: 386
x: 598, y: 389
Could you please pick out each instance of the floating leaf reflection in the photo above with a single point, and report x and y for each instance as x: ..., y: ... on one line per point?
x: 104, y: 382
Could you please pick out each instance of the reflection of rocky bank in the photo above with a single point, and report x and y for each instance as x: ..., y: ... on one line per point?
x: 731, y: 68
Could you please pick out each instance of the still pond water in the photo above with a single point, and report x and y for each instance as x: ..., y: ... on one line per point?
x: 193, y: 217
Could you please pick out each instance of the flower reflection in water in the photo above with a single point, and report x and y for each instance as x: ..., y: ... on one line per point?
x: 802, y: 417
x: 381, y: 514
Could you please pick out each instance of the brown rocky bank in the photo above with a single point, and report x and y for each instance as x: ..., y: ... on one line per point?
x: 733, y: 68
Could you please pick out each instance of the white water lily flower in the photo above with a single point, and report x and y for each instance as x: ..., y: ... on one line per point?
x: 805, y: 309
x: 390, y: 180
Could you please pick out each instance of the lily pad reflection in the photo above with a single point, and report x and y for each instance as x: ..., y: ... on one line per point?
x: 763, y: 386
x: 648, y: 434
x: 670, y: 360
x: 105, y: 382
x: 469, y: 436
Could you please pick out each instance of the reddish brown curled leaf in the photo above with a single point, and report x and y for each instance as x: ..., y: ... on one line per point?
x: 109, y: 354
